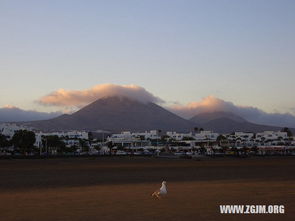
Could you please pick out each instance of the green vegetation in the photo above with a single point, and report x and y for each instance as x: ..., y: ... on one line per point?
x: 54, y: 143
x: 84, y: 145
x: 24, y: 140
x: 3, y: 141
x: 289, y: 132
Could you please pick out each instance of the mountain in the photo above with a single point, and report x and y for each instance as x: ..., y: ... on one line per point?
x: 226, y: 122
x: 14, y: 114
x: 116, y: 114
x: 204, y: 118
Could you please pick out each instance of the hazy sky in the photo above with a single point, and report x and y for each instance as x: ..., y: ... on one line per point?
x: 239, y: 51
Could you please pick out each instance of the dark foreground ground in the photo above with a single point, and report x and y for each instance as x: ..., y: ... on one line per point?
x: 119, y: 188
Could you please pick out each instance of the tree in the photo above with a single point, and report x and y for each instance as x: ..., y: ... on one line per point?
x: 245, y: 150
x: 289, y: 132
x: 254, y: 149
x: 110, y: 145
x: 3, y: 141
x: 203, y: 150
x: 224, y: 148
x: 221, y: 140
x: 90, y: 137
x: 54, y: 142
x: 165, y: 138
x: 235, y: 150
x: 84, y: 145
x: 24, y: 140
x: 263, y: 139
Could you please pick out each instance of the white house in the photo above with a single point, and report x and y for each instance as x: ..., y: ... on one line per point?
x: 272, y: 135
x: 125, y: 135
x: 9, y: 129
x: 179, y: 136
x: 153, y: 134
x: 70, y: 134
x: 71, y: 138
x: 128, y: 136
x: 206, y: 135
x: 244, y: 136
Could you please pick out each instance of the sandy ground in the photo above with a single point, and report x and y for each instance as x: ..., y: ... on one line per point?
x: 120, y: 188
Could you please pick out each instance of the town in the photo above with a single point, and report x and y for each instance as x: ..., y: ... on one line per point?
x: 21, y: 141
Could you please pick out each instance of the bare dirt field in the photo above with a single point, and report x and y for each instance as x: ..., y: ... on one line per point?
x: 119, y: 188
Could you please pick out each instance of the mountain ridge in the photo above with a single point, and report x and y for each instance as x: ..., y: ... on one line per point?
x: 227, y: 122
x: 117, y: 114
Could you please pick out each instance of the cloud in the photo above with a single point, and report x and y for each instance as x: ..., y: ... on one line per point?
x: 8, y: 106
x: 207, y: 104
x: 80, y: 98
x: 72, y: 99
x: 10, y: 113
x: 252, y: 114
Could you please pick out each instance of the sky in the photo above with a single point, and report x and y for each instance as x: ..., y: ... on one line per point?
x: 240, y: 51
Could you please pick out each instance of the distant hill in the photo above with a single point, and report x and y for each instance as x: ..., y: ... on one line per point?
x: 116, y: 114
x: 14, y: 114
x: 226, y: 122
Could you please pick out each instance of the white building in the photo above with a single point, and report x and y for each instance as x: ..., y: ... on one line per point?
x: 9, y: 129
x: 206, y: 135
x: 70, y: 134
x: 71, y: 138
x: 128, y: 136
x: 272, y: 135
x: 125, y: 135
x: 179, y: 136
x: 153, y: 134
x: 244, y: 136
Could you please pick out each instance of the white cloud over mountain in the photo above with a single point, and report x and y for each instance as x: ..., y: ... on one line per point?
x: 252, y: 114
x: 67, y: 99
x: 80, y: 98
